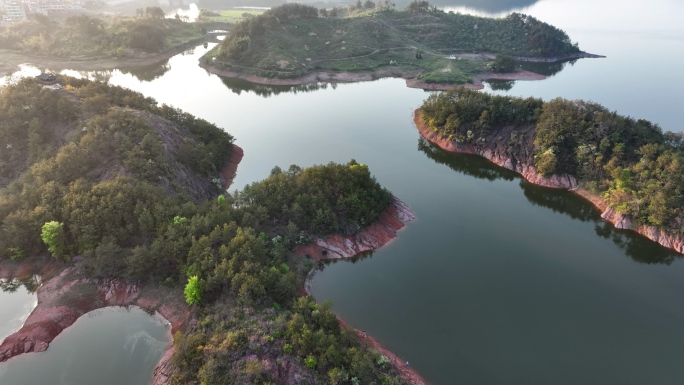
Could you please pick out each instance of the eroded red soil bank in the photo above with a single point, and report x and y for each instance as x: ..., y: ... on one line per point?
x: 499, y: 157
x: 371, y: 238
x: 65, y: 295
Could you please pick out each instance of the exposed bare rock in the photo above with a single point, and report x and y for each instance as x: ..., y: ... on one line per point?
x: 66, y: 296
x: 371, y: 238
x: 164, y: 369
x: 496, y: 154
x: 230, y: 171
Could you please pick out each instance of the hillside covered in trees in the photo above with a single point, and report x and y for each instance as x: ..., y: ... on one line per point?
x: 92, y: 37
x: 133, y: 189
x: 632, y: 164
x: 293, y: 39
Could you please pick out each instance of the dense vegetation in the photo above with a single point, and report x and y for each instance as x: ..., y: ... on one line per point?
x: 635, y: 166
x: 93, y: 37
x: 94, y: 157
x: 107, y: 174
x: 292, y: 39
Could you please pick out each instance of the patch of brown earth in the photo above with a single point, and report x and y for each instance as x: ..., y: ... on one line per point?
x: 499, y: 157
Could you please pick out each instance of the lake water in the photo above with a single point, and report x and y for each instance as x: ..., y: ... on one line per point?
x: 497, y: 281
x: 17, y: 301
x: 110, y: 346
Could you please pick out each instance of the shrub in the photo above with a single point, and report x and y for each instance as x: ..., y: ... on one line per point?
x: 310, y: 362
x: 53, y: 236
x: 193, y: 291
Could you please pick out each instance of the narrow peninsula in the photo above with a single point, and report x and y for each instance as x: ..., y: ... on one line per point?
x: 629, y: 169
x: 299, y: 44
x: 117, y: 201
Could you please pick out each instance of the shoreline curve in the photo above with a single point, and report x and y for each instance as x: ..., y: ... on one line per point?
x: 338, y: 246
x: 567, y: 182
x: 58, y: 307
x: 411, y: 76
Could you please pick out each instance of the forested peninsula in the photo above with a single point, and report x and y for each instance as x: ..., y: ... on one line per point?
x: 628, y: 168
x: 299, y: 44
x: 116, y: 200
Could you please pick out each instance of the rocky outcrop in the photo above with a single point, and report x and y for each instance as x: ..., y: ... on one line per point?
x: 65, y: 296
x: 498, y: 156
x: 371, y: 238
x: 626, y: 222
x: 230, y: 171
x: 164, y: 369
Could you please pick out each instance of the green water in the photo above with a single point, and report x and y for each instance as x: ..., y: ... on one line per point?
x: 497, y: 281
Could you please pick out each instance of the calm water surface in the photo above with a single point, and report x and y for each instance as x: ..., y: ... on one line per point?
x: 17, y: 300
x: 498, y: 281
x: 111, y: 346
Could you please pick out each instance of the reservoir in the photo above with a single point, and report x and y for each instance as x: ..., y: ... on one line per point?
x: 497, y: 281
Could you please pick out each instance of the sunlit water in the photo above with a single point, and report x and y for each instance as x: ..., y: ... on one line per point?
x: 497, y: 282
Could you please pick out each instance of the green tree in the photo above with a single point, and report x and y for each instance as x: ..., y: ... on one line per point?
x: 193, y: 291
x: 503, y: 64
x: 53, y: 236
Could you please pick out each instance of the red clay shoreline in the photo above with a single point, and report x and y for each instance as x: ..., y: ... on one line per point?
x: 65, y: 295
x: 567, y: 182
x: 378, y: 234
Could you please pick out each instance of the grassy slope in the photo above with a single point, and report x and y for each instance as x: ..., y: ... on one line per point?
x: 231, y: 16
x: 371, y: 40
